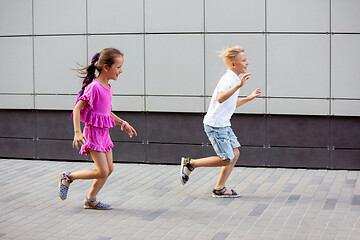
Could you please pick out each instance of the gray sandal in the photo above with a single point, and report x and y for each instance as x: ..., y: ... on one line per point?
x: 98, y: 206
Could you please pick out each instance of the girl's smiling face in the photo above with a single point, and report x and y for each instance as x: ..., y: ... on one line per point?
x: 114, y: 71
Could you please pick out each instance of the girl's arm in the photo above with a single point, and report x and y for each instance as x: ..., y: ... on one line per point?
x: 78, y: 136
x: 225, y: 95
x: 124, y: 125
x: 242, y: 101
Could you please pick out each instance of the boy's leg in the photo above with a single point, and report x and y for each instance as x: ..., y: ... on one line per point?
x: 226, y: 171
x: 214, y: 161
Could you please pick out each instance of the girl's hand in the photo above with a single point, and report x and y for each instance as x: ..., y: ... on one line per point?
x: 129, y: 129
x: 244, y: 79
x: 79, y: 138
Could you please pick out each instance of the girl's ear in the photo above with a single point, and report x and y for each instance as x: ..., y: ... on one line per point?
x: 106, y: 67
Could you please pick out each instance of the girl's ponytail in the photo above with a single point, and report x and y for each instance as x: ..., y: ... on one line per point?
x: 90, y: 73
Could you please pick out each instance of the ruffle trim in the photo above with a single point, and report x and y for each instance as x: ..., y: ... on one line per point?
x: 96, y: 119
x: 87, y: 97
x: 85, y: 148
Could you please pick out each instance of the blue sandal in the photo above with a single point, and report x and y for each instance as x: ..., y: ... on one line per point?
x: 98, y: 206
x: 221, y: 193
x: 185, y: 162
x: 62, y: 189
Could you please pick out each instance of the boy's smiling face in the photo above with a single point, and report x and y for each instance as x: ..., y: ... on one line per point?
x: 239, y: 64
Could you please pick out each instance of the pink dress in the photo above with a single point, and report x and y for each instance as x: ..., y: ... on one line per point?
x: 97, y: 118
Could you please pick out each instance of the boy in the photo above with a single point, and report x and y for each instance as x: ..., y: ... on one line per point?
x: 217, y: 124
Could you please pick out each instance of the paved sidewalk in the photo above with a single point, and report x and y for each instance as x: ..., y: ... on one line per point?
x: 150, y: 203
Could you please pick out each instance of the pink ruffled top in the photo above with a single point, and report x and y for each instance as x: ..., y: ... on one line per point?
x: 97, y: 110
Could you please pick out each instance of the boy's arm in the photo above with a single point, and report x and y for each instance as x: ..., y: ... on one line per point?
x: 225, y: 95
x: 242, y: 101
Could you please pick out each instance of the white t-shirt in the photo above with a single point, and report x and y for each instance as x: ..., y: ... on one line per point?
x: 219, y: 114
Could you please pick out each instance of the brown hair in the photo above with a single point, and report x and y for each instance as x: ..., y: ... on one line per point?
x: 105, y: 57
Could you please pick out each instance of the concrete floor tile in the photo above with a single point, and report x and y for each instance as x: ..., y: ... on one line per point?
x: 275, y: 204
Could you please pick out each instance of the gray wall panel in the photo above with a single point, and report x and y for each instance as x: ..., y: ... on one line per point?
x: 174, y: 16
x: 52, y: 16
x: 345, y: 107
x: 345, y: 133
x: 252, y: 156
x: 298, y: 16
x: 250, y: 129
x: 16, y: 65
x: 345, y: 159
x: 59, y: 150
x: 17, y: 124
x: 19, y: 14
x: 298, y: 157
x: 124, y: 16
x: 174, y: 64
x: 219, y: 16
x: 57, y: 76
x: 136, y: 120
x: 298, y: 65
x: 345, y: 63
x: 17, y: 148
x: 175, y: 128
x: 345, y: 16
x: 298, y: 131
x: 129, y: 152
x: 54, y: 125
x: 275, y: 141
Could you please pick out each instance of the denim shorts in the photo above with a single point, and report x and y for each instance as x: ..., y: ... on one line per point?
x: 223, y: 141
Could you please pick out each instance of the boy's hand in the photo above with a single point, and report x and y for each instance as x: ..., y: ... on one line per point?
x: 79, y: 138
x: 244, y: 79
x: 255, y: 94
x: 242, y: 101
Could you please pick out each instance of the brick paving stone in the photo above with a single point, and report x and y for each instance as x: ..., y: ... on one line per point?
x: 150, y: 203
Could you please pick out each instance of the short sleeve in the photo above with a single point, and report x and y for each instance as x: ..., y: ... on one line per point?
x: 224, y: 84
x: 89, y: 95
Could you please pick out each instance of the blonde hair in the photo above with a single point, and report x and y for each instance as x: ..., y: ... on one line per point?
x: 231, y: 52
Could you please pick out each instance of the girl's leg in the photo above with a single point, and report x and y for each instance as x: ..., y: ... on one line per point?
x: 226, y: 171
x: 99, y: 183
x: 102, y: 170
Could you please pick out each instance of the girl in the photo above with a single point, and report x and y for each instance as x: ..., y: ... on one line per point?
x: 217, y: 124
x: 94, y: 107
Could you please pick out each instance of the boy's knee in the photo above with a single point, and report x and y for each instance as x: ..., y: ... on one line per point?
x: 237, y: 154
x: 226, y: 162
